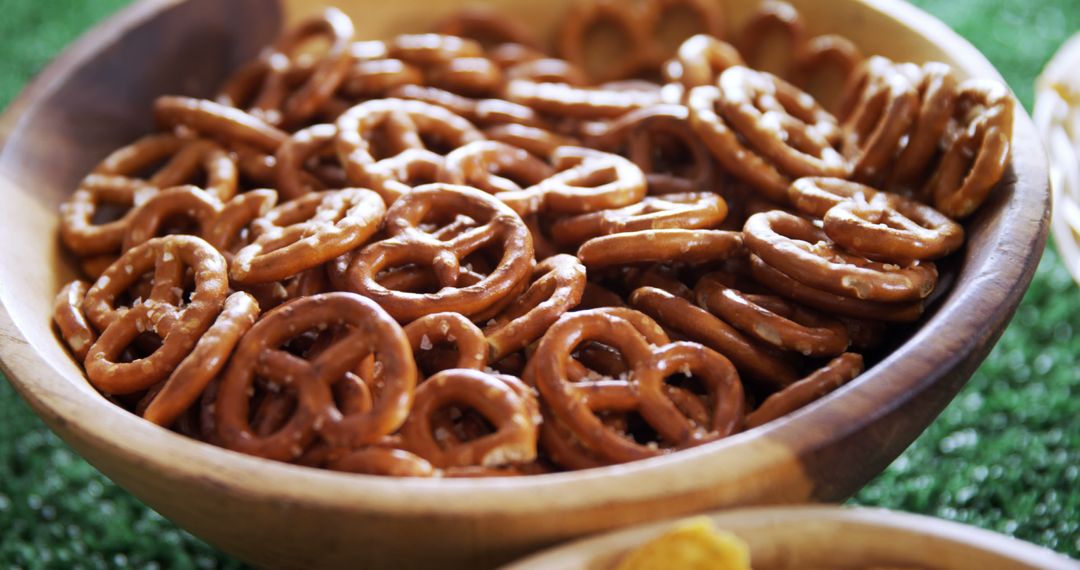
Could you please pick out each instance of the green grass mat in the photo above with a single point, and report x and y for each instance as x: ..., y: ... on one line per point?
x: 1005, y: 455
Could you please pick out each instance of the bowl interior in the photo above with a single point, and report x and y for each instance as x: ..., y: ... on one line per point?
x: 98, y: 96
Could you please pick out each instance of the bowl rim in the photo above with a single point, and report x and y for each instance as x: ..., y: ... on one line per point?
x: 1017, y: 551
x: 764, y: 450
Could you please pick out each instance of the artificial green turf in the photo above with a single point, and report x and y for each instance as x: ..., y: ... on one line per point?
x: 1005, y: 455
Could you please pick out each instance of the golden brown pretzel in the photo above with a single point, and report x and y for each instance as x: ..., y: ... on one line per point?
x: 557, y: 286
x: 880, y: 105
x: 404, y: 123
x: 294, y: 157
x: 772, y: 16
x: 815, y: 196
x: 759, y: 362
x: 426, y: 50
x: 821, y: 52
x: 836, y: 373
x: 307, y: 232
x: 707, y: 16
x: 796, y: 247
x: 661, y: 246
x: 893, y: 228
x: 690, y: 211
x: 190, y: 203
x: 376, y: 460
x: 772, y: 320
x: 548, y: 70
x: 938, y: 92
x: 365, y: 329
x: 585, y: 180
x: 575, y: 403
x: 186, y: 383
x: 781, y: 122
x: 498, y: 226
x: 495, y: 167
x: 700, y: 60
x: 976, y: 160
x: 427, y: 331
x: 563, y: 100
x: 482, y: 112
x: 538, y: 141
x: 229, y: 232
x: 488, y: 26
x: 227, y: 124
x: 165, y: 312
x: 70, y: 319
x: 514, y: 438
x: 469, y: 76
x: 573, y: 38
x: 377, y: 77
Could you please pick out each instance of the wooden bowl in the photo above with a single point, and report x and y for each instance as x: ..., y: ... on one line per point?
x: 98, y: 96
x: 805, y: 538
x: 1057, y: 116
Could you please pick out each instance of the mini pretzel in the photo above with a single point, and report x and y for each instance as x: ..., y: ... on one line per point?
x: 548, y: 70
x: 229, y: 231
x: 639, y: 133
x: 426, y: 50
x: 481, y: 112
x: 707, y: 16
x: 407, y: 243
x: 772, y: 320
x: 815, y: 196
x: 661, y: 277
x: 558, y: 284
x: 575, y: 403
x: 307, y: 232
x: 514, y: 438
x: 975, y: 162
x: 470, y: 76
x: 563, y: 100
x: 938, y: 92
x: 881, y: 104
x: 538, y: 141
x: 660, y: 246
x: 781, y: 122
x: 496, y: 168
x: 209, y: 356
x: 375, y: 78
x: 69, y: 318
x: 573, y: 38
x: 367, y: 330
x: 227, y: 124
x: 487, y: 26
x: 893, y: 228
x: 796, y: 247
x: 586, y: 180
x: 296, y: 153
x: 725, y: 145
x: 404, y: 123
x: 772, y: 16
x: 847, y: 306
x: 164, y: 312
x: 690, y: 211
x: 429, y: 330
x: 700, y: 60
x: 77, y: 228
x: 190, y: 202
x: 836, y: 373
x: 760, y: 362
x: 184, y: 166
x: 822, y: 51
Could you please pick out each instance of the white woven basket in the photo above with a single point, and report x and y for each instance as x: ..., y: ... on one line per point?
x: 1057, y: 115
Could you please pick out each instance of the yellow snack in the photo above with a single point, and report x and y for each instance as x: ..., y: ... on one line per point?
x: 694, y: 544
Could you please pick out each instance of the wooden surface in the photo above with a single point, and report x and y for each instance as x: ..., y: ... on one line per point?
x: 97, y: 96
x: 803, y: 538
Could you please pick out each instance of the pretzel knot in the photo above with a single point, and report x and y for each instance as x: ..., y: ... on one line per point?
x: 497, y: 227
x: 487, y: 26
x: 700, y: 60
x: 496, y: 168
x: 506, y: 408
x: 372, y: 135
x: 308, y: 232
x: 836, y: 373
x: 71, y: 321
x: 880, y: 105
x: 558, y: 284
x: 363, y: 329
x: 576, y: 404
x: 586, y: 180
x: 689, y: 211
x: 430, y: 330
x: 165, y: 312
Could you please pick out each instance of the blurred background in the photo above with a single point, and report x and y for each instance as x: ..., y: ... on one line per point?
x: 1005, y: 455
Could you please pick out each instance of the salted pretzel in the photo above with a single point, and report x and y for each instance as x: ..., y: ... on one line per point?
x: 772, y: 320
x: 824, y: 52
x: 427, y: 331
x: 660, y: 246
x: 483, y: 112
x: 426, y: 50
x: 754, y: 360
x: 189, y: 202
x: 114, y: 181
x: 366, y: 329
x: 488, y: 26
x: 893, y: 228
x: 557, y: 286
x: 975, y: 161
x: 700, y: 60
x: 293, y: 175
x: 563, y: 100
x: 307, y: 232
x: 468, y: 76
x: 496, y: 225
x: 796, y: 247
x: 815, y: 195
x: 693, y: 210
x: 644, y: 134
x: 496, y: 167
x: 207, y: 359
x: 177, y: 320
x: 71, y: 321
x: 404, y: 125
x: 573, y: 40
x: 781, y: 123
x: 879, y: 107
x: 575, y: 403
x: 275, y: 101
x: 585, y: 180
x: 229, y: 232
x: 832, y: 303
x: 707, y: 16
x: 661, y: 277
x: 548, y: 70
x: 514, y: 438
x: 227, y: 124
x: 377, y: 77
x: 836, y: 373
x: 724, y: 144
x: 938, y: 90
x: 769, y: 19
x: 387, y: 461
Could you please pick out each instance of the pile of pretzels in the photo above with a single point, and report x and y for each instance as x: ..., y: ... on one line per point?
x: 453, y: 254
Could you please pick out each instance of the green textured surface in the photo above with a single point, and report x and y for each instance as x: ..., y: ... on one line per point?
x: 1005, y: 455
